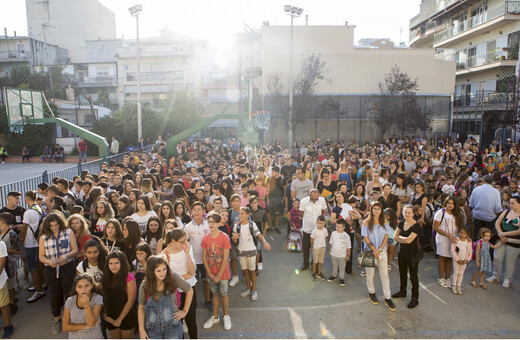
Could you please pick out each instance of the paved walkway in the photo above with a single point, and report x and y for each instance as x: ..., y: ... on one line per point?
x: 12, y: 172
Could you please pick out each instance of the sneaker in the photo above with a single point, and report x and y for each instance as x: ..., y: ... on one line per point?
x: 211, y: 321
x: 26, y: 284
x: 506, y: 283
x: 331, y: 279
x: 313, y: 277
x: 321, y: 276
x: 32, y: 288
x: 448, y: 283
x: 227, y: 322
x: 373, y: 298
x: 36, y: 296
x: 277, y: 230
x: 459, y: 290
x: 454, y: 290
x: 442, y: 283
x: 254, y: 295
x: 342, y: 283
x: 56, y: 329
x: 234, y: 280
x: 363, y: 274
x: 184, y: 326
x: 245, y: 293
x: 209, y: 305
x: 44, y: 286
x: 8, y: 331
x: 14, y: 309
x: 399, y: 294
x: 390, y: 304
x: 493, y: 279
x: 413, y: 303
x: 260, y: 266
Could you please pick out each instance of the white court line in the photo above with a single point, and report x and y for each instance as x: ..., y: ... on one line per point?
x: 325, y: 331
x: 392, y: 330
x: 425, y: 288
x: 297, y: 324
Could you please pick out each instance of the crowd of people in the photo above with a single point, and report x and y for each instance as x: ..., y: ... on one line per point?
x: 125, y: 249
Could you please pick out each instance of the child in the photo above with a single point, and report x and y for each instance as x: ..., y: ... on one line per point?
x: 215, y: 254
x: 261, y: 189
x: 95, y: 257
x: 153, y: 233
x: 142, y: 253
x: 319, y: 246
x: 374, y: 195
x: 169, y: 225
x: 12, y: 244
x: 295, y: 219
x: 217, y: 205
x: 244, y: 197
x: 245, y: 234
x: 483, y: 257
x: 461, y: 253
x: 113, y: 238
x: 340, y: 249
x: 258, y: 216
x: 6, y: 219
x: 448, y: 188
x: 391, y: 220
x: 101, y: 215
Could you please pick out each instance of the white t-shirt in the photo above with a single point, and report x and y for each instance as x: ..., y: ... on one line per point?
x: 245, y: 241
x: 92, y: 270
x: 311, y: 212
x: 225, y: 204
x: 339, y: 244
x: 32, y: 218
x: 448, y: 224
x: 3, y: 253
x: 319, y: 237
x: 196, y: 232
x: 143, y: 220
x: 179, y: 264
x: 345, y: 210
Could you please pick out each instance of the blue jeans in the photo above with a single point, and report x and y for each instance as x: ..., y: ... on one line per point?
x: 83, y: 155
x: 159, y: 322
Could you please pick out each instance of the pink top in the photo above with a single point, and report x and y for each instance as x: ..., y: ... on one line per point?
x: 464, y: 250
x: 262, y: 192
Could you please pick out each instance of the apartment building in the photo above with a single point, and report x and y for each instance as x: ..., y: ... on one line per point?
x: 482, y: 37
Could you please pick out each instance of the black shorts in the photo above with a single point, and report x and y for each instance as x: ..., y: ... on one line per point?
x: 129, y: 322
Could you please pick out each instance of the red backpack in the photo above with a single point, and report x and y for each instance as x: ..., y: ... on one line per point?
x: 474, y: 247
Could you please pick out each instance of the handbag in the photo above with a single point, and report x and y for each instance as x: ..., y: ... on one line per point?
x: 367, y: 259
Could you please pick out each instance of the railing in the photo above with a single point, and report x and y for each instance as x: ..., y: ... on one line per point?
x: 492, y: 98
x: 476, y: 60
x: 492, y: 13
x: 99, y: 81
x: 154, y: 76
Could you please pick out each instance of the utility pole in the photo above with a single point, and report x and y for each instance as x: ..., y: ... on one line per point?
x: 135, y: 11
x: 44, y: 26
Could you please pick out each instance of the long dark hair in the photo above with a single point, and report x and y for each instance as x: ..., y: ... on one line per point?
x: 150, y: 281
x: 185, y: 218
x: 103, y: 253
x: 392, y: 217
x: 459, y: 219
x: 128, y: 210
x: 370, y: 221
x: 110, y: 279
x: 84, y: 276
x: 229, y: 190
x: 164, y: 218
x: 53, y: 217
x: 119, y: 231
x: 134, y: 234
x: 146, y: 201
x: 148, y: 233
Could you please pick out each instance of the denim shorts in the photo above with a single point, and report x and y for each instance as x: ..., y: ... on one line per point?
x: 220, y: 288
x: 391, y: 242
x: 31, y: 258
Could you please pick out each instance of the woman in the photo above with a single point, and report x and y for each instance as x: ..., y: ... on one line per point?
x: 406, y: 235
x: 446, y: 223
x: 389, y: 200
x: 421, y: 199
x: 344, y: 174
x: 374, y: 184
x: 375, y: 237
x: 147, y: 190
x: 507, y: 226
x: 119, y: 290
x: 132, y: 235
x: 113, y: 237
x: 181, y: 215
x: 133, y: 197
x: 327, y: 186
x: 158, y: 314
x: 401, y: 189
x: 362, y: 208
x: 138, y: 178
x: 82, y: 309
x: 179, y: 257
x: 144, y: 212
x: 180, y: 194
x: 124, y: 208
x: 57, y: 249
x: 78, y: 225
x: 128, y: 185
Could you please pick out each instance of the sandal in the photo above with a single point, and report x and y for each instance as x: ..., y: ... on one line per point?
x: 483, y: 286
x: 389, y: 268
x: 473, y: 284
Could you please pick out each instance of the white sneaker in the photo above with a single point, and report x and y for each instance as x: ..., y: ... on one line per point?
x: 245, y: 293
x: 493, y: 279
x: 442, y: 283
x: 260, y: 266
x: 254, y: 295
x: 227, y: 322
x: 211, y: 321
x: 184, y: 326
x: 26, y: 284
x: 234, y: 280
x: 506, y: 283
x: 448, y: 283
x: 36, y: 296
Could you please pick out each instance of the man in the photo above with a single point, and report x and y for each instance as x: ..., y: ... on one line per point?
x: 116, y: 184
x: 486, y: 205
x: 409, y: 164
x: 68, y: 196
x: 114, y: 146
x: 289, y: 168
x: 59, y: 154
x: 301, y: 187
x: 13, y: 207
x: 311, y: 207
x: 82, y: 147
x: 46, y: 154
x: 275, y: 198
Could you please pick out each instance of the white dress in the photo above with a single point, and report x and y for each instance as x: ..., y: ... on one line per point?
x: 448, y: 225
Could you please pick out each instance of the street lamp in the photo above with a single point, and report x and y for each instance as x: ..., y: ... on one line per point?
x: 135, y: 11
x: 293, y: 12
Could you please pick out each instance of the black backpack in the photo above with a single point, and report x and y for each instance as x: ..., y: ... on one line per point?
x: 37, y: 232
x: 251, y: 230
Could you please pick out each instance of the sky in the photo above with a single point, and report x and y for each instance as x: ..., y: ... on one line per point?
x: 216, y: 21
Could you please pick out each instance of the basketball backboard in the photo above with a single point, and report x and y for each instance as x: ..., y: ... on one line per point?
x: 22, y: 104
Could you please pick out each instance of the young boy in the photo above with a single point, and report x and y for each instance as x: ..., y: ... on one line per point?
x: 6, y: 220
x: 245, y: 234
x: 244, y: 199
x: 448, y: 188
x: 217, y: 205
x: 319, y: 246
x: 234, y: 219
x: 340, y: 249
x: 215, y: 254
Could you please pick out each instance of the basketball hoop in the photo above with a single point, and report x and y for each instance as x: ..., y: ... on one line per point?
x: 262, y: 119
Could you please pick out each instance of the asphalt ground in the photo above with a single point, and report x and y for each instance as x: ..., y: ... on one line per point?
x: 12, y: 172
x: 291, y: 305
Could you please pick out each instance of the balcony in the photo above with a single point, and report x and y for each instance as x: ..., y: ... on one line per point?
x: 166, y: 76
x: 489, y: 19
x: 14, y: 56
x: 416, y: 20
x: 491, y: 100
x: 100, y: 81
x: 423, y: 35
x: 480, y: 62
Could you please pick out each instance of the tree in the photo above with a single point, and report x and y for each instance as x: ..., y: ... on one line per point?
x: 332, y: 104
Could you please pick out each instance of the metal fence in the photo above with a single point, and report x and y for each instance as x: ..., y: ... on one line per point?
x: 93, y: 167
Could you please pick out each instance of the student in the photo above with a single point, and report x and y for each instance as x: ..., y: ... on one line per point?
x: 169, y: 225
x: 295, y: 219
x: 391, y: 220
x: 158, y: 313
x: 258, y: 216
x: 244, y: 234
x: 132, y: 236
x: 234, y: 219
x: 57, y: 249
x: 95, y: 259
x: 124, y: 207
x: 153, y: 233
x: 319, y: 246
x: 166, y: 212
x: 12, y: 244
x: 4, y: 294
x: 142, y: 253
x: 101, y: 215
x: 113, y: 236
x: 215, y: 254
x: 461, y: 254
x: 483, y: 257
x: 81, y: 315
x: 181, y: 214
x: 340, y: 250
x: 119, y: 291
x: 143, y: 212
x: 79, y: 226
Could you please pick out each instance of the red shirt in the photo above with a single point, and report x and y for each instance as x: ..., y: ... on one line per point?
x: 82, y: 146
x: 215, y: 253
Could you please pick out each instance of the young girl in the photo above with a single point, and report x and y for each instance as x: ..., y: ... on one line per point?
x: 57, y: 248
x: 483, y: 257
x: 461, y: 254
x: 143, y: 213
x: 181, y: 214
x: 166, y: 212
x: 295, y: 218
x: 142, y: 253
x: 113, y: 236
x: 124, y: 207
x: 169, y: 225
x: 95, y: 257
x: 153, y: 233
x: 391, y: 220
x: 101, y: 215
x: 82, y: 309
x: 78, y: 225
x: 119, y: 290
x: 132, y: 236
x: 159, y: 315
x: 147, y: 190
x: 133, y: 196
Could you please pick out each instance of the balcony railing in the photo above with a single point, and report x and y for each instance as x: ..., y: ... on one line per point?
x: 156, y: 76
x: 507, y: 7
x: 14, y: 55
x: 100, y: 81
x: 490, y: 98
x: 476, y: 60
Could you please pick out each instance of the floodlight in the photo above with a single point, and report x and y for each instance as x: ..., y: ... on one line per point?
x: 136, y: 9
x: 300, y: 11
x: 294, y: 10
x: 287, y: 8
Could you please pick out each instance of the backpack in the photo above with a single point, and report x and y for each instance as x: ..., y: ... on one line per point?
x: 37, y: 232
x: 428, y: 214
x: 474, y: 248
x: 251, y: 230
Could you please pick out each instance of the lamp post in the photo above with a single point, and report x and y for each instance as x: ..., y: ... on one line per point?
x: 135, y: 11
x: 293, y: 12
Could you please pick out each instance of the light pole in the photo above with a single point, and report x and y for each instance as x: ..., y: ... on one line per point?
x: 135, y: 11
x: 293, y: 12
